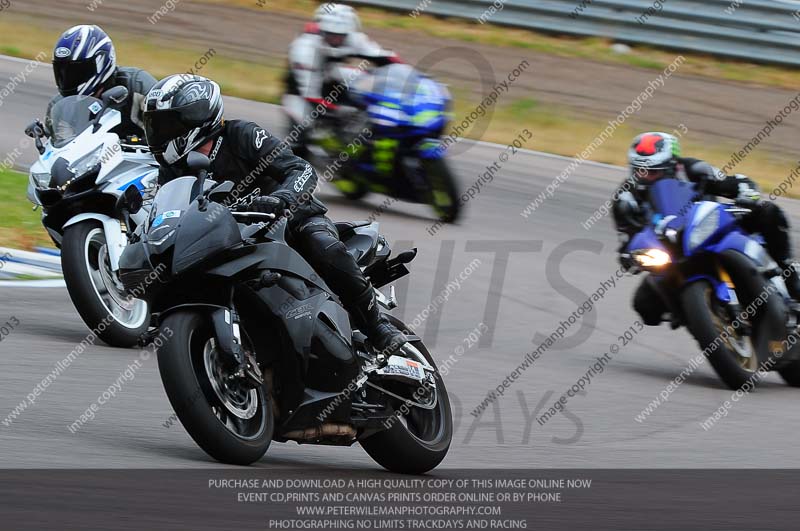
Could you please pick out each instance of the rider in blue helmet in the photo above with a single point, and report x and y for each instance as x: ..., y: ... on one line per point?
x: 85, y: 64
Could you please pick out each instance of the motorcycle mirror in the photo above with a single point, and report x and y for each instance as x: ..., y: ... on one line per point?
x: 220, y: 191
x: 197, y: 162
x: 130, y: 201
x: 114, y: 96
x: 36, y: 131
x: 31, y: 130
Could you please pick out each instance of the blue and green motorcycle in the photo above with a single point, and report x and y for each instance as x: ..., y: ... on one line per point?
x: 392, y: 141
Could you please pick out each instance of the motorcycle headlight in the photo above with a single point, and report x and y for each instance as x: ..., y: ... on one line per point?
x: 41, y: 179
x: 87, y: 162
x: 652, y: 258
x: 703, y: 230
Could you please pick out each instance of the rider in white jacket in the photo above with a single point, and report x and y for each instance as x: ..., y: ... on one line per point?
x: 334, y: 37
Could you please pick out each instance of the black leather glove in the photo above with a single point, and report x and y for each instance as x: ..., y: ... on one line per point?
x: 628, y: 264
x: 748, y: 192
x: 267, y: 204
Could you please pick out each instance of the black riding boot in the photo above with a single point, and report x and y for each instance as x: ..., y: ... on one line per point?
x: 386, y: 339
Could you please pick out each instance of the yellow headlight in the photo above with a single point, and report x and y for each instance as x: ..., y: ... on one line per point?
x: 652, y: 258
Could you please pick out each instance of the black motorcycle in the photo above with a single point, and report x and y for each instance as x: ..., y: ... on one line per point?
x: 260, y: 349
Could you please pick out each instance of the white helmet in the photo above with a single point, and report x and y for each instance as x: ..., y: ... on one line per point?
x: 337, y: 20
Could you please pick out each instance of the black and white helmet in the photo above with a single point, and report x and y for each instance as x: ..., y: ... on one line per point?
x: 181, y: 113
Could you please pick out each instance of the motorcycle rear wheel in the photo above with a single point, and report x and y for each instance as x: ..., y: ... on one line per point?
x: 443, y: 196
x: 418, y: 441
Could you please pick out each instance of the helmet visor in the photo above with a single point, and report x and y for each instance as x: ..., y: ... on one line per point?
x: 70, y: 75
x: 165, y: 125
x: 334, y: 40
x: 162, y: 127
x: 648, y: 175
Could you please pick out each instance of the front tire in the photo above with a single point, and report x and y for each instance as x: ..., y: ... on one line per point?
x: 707, y: 320
x: 95, y: 289
x: 232, y: 425
x: 420, y: 440
x: 734, y: 370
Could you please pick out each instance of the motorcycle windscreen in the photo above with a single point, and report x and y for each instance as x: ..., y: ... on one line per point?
x: 176, y: 195
x: 672, y: 197
x: 177, y: 223
x: 203, y: 234
x: 401, y: 95
x: 395, y: 81
x: 70, y: 116
x: 170, y: 203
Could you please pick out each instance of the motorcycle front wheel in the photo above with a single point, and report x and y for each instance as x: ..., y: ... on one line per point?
x: 95, y: 289
x: 231, y: 422
x: 736, y: 357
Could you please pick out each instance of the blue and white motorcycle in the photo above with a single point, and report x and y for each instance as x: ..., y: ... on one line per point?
x: 719, y: 281
x: 81, y: 172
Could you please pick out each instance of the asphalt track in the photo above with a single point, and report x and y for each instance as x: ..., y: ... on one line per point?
x: 598, y: 432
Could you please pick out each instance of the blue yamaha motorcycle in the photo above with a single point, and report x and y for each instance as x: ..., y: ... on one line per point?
x: 718, y: 281
x: 403, y: 113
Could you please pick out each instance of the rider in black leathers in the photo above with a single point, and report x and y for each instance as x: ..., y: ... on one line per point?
x: 657, y: 155
x: 184, y: 113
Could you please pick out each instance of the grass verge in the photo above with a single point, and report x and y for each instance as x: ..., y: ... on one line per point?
x: 24, y: 37
x: 560, y: 131
x: 590, y: 48
x: 20, y: 226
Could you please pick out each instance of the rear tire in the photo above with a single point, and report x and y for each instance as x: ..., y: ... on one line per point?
x: 91, y: 286
x: 444, y: 196
x: 399, y: 450
x: 182, y: 368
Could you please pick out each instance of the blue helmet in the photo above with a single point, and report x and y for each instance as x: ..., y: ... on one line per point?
x: 83, y: 59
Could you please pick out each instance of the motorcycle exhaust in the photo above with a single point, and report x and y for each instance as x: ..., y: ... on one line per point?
x: 325, y: 430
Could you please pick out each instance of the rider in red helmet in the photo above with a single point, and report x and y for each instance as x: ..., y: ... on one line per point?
x: 653, y: 156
